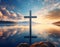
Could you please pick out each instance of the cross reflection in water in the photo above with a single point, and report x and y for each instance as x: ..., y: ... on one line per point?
x: 30, y: 33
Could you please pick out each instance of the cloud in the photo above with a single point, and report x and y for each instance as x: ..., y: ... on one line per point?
x: 48, y: 8
x: 9, y: 15
x: 45, y: 11
x: 1, y: 33
x: 4, y: 11
x: 1, y: 14
x: 47, y: 2
x: 54, y: 14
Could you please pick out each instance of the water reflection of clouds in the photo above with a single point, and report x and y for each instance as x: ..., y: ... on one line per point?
x: 43, y: 31
x: 6, y: 32
x: 48, y: 32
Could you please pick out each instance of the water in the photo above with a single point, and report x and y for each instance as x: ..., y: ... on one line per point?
x: 11, y: 36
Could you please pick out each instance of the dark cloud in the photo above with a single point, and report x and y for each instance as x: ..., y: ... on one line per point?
x: 57, y: 23
x: 54, y: 14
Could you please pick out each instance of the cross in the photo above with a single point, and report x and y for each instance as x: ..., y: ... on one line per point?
x: 30, y: 23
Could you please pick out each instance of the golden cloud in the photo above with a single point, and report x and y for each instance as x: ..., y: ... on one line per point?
x: 55, y: 14
x: 1, y: 33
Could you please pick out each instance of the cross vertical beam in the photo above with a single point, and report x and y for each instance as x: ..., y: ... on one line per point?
x: 30, y: 28
x: 30, y: 24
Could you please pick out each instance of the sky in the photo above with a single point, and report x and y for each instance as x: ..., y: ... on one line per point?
x: 43, y: 9
x: 23, y: 6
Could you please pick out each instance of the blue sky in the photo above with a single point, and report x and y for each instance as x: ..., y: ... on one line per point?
x: 23, y: 6
x: 40, y: 8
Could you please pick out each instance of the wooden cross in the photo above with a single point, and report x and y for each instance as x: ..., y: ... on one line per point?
x: 30, y: 23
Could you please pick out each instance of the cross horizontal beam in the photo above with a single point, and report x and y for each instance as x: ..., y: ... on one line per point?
x: 30, y: 16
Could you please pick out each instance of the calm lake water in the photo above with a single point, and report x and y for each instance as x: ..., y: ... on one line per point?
x: 11, y: 36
